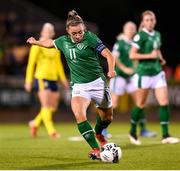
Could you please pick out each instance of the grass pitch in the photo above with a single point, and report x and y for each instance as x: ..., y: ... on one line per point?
x: 19, y: 151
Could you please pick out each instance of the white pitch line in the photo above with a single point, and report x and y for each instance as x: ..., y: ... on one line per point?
x: 76, y: 138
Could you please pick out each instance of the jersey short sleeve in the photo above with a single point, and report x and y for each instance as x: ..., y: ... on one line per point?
x: 116, y: 50
x: 95, y: 42
x: 137, y: 40
x: 58, y: 43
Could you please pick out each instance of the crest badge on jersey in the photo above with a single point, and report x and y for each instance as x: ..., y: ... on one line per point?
x: 136, y: 38
x: 80, y: 46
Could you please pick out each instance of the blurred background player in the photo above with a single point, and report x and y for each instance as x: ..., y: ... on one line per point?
x: 81, y: 49
x: 123, y: 82
x: 149, y: 75
x: 46, y: 67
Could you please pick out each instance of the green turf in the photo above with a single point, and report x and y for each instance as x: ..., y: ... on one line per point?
x: 19, y: 151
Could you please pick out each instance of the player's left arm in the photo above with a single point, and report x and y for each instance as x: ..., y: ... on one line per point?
x: 99, y: 47
x: 162, y: 60
x: 111, y: 62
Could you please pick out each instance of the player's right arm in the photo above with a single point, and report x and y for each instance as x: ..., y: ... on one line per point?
x: 138, y: 56
x: 136, y: 45
x: 48, y: 43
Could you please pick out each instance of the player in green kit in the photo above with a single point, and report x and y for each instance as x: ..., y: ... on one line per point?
x: 149, y: 75
x: 123, y: 82
x: 81, y: 49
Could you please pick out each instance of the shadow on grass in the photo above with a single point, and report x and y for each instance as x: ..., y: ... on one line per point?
x: 68, y: 165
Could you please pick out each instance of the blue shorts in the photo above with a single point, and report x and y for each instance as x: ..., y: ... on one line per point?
x: 42, y: 84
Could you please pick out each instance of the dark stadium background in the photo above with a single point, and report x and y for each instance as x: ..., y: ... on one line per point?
x: 111, y: 14
x: 20, y: 19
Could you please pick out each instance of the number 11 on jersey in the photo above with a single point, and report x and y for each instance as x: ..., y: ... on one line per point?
x: 72, y: 54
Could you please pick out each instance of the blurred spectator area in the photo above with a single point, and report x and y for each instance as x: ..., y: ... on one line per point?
x: 19, y: 19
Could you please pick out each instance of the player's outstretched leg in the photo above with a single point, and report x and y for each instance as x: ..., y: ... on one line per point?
x: 87, y: 132
x: 79, y: 106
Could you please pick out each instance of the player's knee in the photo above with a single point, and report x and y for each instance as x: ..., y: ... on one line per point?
x: 54, y: 109
x: 80, y: 117
x: 46, y: 117
x: 164, y: 102
x: 115, y: 105
x: 140, y: 104
x: 108, y: 117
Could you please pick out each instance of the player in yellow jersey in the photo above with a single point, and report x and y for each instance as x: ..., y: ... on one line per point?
x: 46, y: 67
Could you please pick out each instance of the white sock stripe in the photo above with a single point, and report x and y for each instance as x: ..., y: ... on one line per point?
x: 87, y: 132
x: 132, y: 121
x: 164, y: 123
x: 142, y: 120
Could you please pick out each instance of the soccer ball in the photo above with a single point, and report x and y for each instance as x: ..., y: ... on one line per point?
x: 111, y: 153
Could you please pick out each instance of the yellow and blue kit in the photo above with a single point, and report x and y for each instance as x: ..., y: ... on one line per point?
x: 46, y: 67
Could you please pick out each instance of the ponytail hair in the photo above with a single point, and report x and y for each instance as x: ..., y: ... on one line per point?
x: 147, y: 12
x: 73, y: 19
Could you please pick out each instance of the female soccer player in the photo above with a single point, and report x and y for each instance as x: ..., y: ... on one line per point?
x: 81, y: 49
x: 149, y: 75
x: 124, y: 70
x: 48, y: 71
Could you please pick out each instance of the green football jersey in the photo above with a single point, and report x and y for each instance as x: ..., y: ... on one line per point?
x: 122, y: 47
x: 146, y: 42
x: 82, y: 58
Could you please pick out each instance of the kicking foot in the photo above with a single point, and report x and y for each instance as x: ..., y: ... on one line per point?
x: 33, y: 128
x: 146, y: 133
x: 134, y: 140
x: 94, y: 154
x: 170, y: 140
x: 101, y: 139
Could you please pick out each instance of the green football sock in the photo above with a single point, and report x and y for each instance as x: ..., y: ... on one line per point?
x: 101, y: 124
x: 164, y: 120
x: 135, y: 116
x: 142, y: 121
x: 87, y: 132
